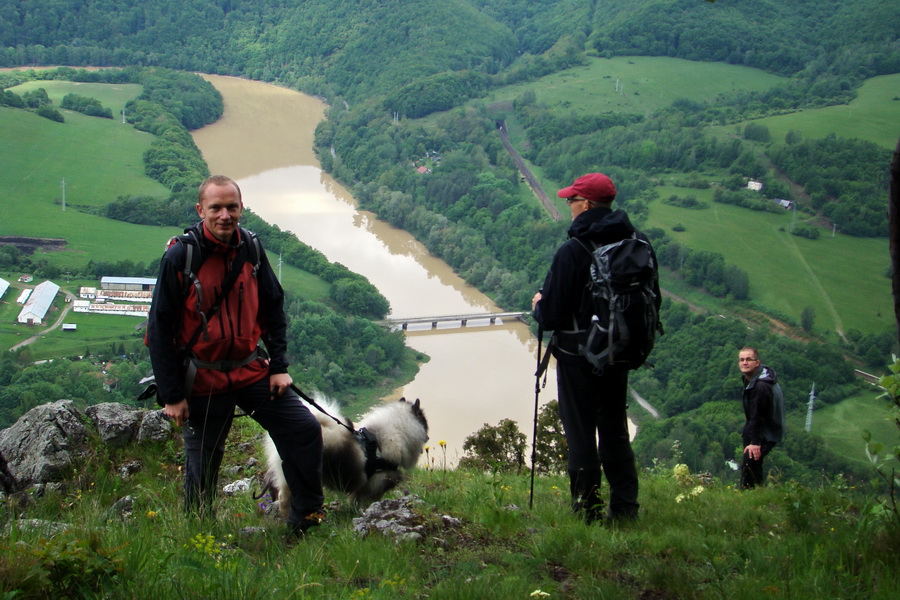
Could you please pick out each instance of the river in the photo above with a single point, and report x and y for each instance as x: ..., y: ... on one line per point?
x: 477, y: 375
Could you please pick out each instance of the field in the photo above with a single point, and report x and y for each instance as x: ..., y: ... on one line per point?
x: 874, y: 115
x: 645, y: 84
x: 841, y: 425
x: 99, y: 160
x: 788, y: 273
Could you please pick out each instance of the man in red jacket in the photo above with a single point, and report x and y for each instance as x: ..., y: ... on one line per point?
x: 204, y: 350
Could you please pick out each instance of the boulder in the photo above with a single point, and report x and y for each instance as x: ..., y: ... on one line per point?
x: 116, y: 423
x: 155, y: 427
x: 44, y: 444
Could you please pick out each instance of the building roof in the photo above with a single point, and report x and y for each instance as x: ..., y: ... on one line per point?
x: 4, y: 285
x: 39, y: 302
x: 128, y: 280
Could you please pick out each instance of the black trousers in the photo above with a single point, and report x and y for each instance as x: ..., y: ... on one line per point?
x: 295, y: 431
x: 593, y: 413
x: 752, y: 469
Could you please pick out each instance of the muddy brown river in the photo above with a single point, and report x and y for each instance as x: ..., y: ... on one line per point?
x: 477, y: 375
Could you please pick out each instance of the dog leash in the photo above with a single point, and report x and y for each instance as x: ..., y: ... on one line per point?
x: 300, y: 393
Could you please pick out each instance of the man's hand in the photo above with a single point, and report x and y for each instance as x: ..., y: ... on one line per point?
x: 279, y: 382
x: 535, y: 300
x: 753, y: 451
x: 178, y: 412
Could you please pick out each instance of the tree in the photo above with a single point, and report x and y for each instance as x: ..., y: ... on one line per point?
x: 500, y: 448
x: 808, y: 318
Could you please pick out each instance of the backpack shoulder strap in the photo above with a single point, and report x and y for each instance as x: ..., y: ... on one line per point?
x: 254, y: 248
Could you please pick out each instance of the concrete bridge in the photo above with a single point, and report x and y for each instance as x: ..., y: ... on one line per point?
x: 404, y: 323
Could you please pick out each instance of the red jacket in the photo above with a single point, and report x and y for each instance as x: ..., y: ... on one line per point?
x: 252, y: 310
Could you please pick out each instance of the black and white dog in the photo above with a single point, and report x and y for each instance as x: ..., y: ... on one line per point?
x: 364, y: 461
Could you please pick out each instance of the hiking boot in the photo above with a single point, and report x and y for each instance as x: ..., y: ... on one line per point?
x: 313, y: 519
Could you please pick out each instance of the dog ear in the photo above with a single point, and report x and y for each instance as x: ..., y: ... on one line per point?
x: 402, y: 399
x: 416, y: 403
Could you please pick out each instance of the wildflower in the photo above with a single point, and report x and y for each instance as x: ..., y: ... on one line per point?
x: 682, y: 474
x: 442, y: 444
x: 151, y: 514
x: 539, y: 594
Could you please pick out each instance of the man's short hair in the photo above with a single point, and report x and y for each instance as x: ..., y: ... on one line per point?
x: 217, y: 180
x: 750, y: 349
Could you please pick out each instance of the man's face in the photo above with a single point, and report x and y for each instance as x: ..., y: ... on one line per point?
x: 747, y: 363
x: 577, y: 205
x: 220, y: 210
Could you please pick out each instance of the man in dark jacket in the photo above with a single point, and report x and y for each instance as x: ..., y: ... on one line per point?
x: 206, y: 365
x: 592, y: 405
x: 764, y: 410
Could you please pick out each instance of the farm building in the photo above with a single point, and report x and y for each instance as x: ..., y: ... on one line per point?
x: 4, y: 285
x: 128, y: 284
x: 111, y: 308
x: 785, y: 204
x: 38, y: 303
x: 26, y: 278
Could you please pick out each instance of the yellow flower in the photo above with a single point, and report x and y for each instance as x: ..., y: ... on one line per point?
x: 151, y: 514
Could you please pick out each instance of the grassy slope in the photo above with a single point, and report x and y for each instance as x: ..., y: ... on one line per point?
x: 783, y: 541
x: 873, y: 115
x: 841, y: 425
x: 646, y: 84
x: 788, y: 273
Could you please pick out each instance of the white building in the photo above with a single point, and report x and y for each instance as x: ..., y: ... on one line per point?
x: 38, y: 303
x: 4, y: 285
x: 130, y: 284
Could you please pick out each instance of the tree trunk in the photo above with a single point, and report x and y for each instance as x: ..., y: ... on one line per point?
x: 894, y: 232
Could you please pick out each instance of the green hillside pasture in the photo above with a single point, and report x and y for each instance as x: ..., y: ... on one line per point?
x: 841, y: 425
x: 874, y: 116
x: 112, y: 96
x: 646, y: 84
x: 94, y: 333
x: 99, y: 160
x: 842, y: 278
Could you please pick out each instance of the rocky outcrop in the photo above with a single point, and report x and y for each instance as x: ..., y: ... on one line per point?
x: 46, y: 443
x: 116, y: 423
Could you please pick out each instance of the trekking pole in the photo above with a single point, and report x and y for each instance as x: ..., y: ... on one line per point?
x: 541, y: 366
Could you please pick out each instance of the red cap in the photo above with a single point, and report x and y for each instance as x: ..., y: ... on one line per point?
x: 593, y: 186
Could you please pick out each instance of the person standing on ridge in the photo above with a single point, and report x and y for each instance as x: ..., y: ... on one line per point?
x: 592, y: 402
x: 206, y: 321
x: 763, y: 403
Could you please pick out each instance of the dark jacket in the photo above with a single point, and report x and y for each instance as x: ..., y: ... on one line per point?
x: 252, y: 310
x: 764, y: 408
x: 563, y: 293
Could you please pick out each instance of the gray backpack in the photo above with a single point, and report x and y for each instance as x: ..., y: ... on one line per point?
x: 622, y: 297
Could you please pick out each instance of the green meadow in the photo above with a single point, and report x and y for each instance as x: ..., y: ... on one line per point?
x: 841, y: 277
x: 98, y: 159
x: 841, y: 425
x: 635, y: 84
x: 874, y: 115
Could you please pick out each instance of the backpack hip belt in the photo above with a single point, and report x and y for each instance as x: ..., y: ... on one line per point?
x: 192, y: 364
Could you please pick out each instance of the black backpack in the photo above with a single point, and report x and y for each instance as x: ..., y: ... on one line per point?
x: 621, y: 294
